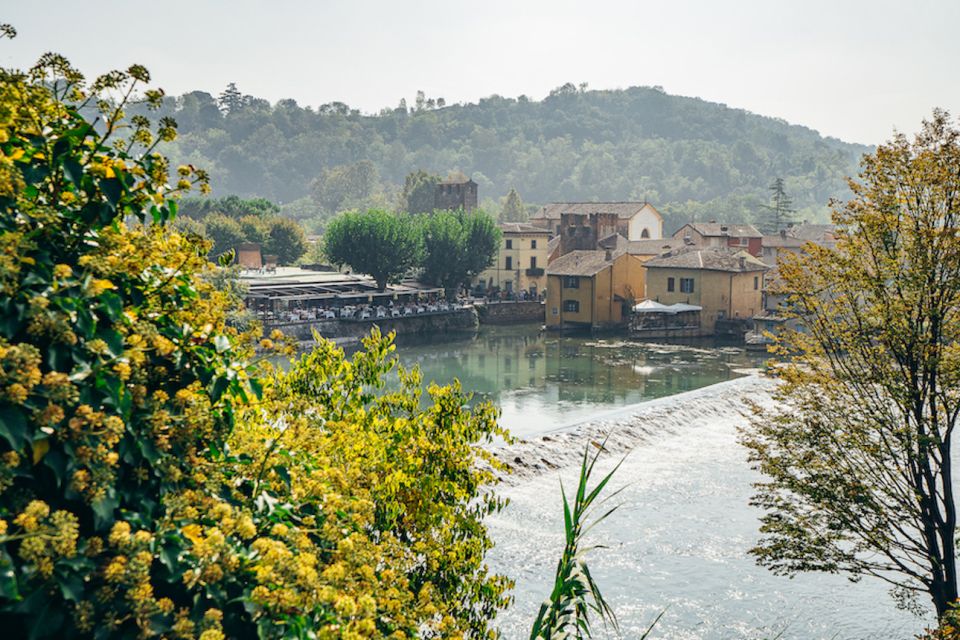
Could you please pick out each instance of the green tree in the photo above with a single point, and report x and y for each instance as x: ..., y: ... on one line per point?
x: 152, y: 481
x: 231, y: 100
x: 255, y: 229
x: 513, y: 209
x: 285, y: 240
x: 346, y: 186
x: 457, y: 246
x: 418, y: 191
x: 858, y: 461
x: 380, y: 243
x: 779, y: 213
x: 225, y: 233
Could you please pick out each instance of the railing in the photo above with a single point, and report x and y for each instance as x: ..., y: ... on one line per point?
x: 535, y: 271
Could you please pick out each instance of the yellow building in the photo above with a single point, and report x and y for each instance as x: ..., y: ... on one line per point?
x: 727, y: 284
x: 589, y: 289
x: 521, y: 261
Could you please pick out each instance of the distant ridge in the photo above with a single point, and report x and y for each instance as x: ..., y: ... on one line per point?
x: 691, y: 158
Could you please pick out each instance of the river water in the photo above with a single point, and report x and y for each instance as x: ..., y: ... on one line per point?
x: 679, y: 539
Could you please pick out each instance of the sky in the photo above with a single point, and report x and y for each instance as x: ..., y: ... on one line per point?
x: 851, y: 69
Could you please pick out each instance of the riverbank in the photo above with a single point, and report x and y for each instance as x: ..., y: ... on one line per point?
x: 680, y: 539
x: 347, y: 331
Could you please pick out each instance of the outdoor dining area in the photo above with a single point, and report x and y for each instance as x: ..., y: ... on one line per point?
x: 297, y: 295
x: 653, y: 319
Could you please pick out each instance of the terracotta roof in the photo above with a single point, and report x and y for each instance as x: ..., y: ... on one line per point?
x: 613, y: 241
x: 710, y: 259
x: 786, y: 241
x: 553, y: 243
x: 624, y: 210
x: 522, y: 227
x: 719, y: 229
x: 581, y: 263
x: 653, y: 247
x: 817, y: 233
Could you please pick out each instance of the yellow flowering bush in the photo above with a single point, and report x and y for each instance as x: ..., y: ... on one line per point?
x: 155, y: 483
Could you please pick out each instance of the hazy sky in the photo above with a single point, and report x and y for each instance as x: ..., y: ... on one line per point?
x: 850, y: 69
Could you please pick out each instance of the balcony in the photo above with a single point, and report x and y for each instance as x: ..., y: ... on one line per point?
x: 533, y: 272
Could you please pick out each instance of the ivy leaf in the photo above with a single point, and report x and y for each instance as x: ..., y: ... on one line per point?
x: 13, y: 428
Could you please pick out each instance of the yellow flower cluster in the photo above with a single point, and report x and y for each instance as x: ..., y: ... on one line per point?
x: 46, y: 537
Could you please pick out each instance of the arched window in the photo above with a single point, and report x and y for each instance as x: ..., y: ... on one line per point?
x: 645, y: 233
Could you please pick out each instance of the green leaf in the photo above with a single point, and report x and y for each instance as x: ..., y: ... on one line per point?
x: 103, y: 510
x: 13, y: 428
x: 112, y: 188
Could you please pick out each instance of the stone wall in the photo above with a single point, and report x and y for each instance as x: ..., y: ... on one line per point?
x: 511, y: 312
x: 350, y: 330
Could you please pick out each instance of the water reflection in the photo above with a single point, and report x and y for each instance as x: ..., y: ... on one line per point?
x: 542, y: 381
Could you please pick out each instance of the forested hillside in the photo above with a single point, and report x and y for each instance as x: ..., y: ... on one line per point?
x: 693, y: 159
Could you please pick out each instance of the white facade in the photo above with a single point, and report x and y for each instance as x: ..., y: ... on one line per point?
x: 645, y: 224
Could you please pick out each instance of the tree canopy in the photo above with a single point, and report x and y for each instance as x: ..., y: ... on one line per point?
x: 858, y: 463
x: 457, y: 246
x: 694, y: 159
x: 379, y: 243
x: 155, y: 482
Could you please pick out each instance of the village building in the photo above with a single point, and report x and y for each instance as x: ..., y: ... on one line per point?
x: 743, y: 237
x: 521, y: 261
x: 249, y: 256
x: 634, y: 220
x: 592, y: 289
x: 727, y: 284
x: 777, y: 245
x: 792, y: 240
x: 457, y: 192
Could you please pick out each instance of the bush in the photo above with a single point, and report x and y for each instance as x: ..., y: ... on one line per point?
x: 155, y: 483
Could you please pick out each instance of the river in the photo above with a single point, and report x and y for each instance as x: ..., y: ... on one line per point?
x: 679, y: 540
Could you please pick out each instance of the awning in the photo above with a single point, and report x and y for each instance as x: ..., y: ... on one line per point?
x: 651, y: 306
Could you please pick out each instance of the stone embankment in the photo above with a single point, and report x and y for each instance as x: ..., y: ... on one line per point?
x: 511, y: 312
x: 349, y: 330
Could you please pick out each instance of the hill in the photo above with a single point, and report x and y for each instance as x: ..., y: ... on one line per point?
x: 694, y: 159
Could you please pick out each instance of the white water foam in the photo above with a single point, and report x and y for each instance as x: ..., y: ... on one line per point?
x: 680, y: 539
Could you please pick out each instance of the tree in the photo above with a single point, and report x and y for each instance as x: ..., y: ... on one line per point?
x: 858, y: 462
x: 513, y: 210
x: 255, y: 229
x: 379, y: 243
x: 457, y: 246
x: 231, y: 100
x: 779, y: 213
x: 345, y: 186
x: 285, y: 240
x: 225, y: 233
x: 418, y: 191
x: 155, y: 483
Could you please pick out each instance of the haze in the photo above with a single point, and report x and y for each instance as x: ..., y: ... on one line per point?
x: 852, y: 70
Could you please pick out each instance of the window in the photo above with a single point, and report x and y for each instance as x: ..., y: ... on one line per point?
x: 571, y: 282
x: 571, y: 305
x: 533, y: 263
x: 509, y: 263
x: 686, y: 285
x: 558, y: 229
x: 509, y: 246
x: 533, y: 244
x: 645, y: 233
x: 756, y: 282
x: 671, y: 284
x: 744, y: 242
